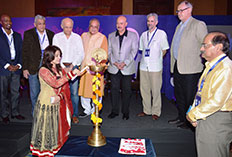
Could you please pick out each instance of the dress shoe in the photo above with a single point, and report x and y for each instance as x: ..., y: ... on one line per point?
x: 19, y: 117
x: 75, y: 120
x: 179, y: 123
x: 125, y: 116
x: 174, y: 121
x: 183, y: 126
x: 6, y: 120
x: 112, y: 115
x: 155, y: 117
x: 142, y: 114
x: 83, y: 115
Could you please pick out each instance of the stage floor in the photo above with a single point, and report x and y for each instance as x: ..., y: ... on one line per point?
x: 167, y: 139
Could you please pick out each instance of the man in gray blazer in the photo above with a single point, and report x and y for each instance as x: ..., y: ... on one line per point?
x: 186, y: 63
x: 123, y: 46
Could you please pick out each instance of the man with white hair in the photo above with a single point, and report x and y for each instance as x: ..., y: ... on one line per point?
x: 92, y: 40
x: 153, y: 44
x: 186, y: 63
x: 34, y: 42
x: 72, y: 49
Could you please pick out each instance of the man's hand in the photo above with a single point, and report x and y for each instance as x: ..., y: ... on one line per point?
x: 13, y: 68
x: 117, y: 65
x: 121, y: 65
x: 10, y: 68
x: 193, y: 123
x: 26, y: 74
x: 17, y: 67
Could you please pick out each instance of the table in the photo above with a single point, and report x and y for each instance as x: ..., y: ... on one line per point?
x: 77, y: 146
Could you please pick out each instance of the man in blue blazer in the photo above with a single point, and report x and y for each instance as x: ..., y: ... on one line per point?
x: 10, y: 69
x: 123, y: 46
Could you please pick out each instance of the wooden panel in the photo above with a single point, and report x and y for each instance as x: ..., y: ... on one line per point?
x: 206, y: 8
x: 78, y: 7
x: 22, y: 8
x: 127, y: 7
x: 161, y: 7
x: 229, y: 9
x: 209, y: 7
x: 220, y: 7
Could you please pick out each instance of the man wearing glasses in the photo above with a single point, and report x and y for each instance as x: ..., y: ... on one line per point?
x: 186, y: 63
x: 92, y: 40
x: 211, y: 112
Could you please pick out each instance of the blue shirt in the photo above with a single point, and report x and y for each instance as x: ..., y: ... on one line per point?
x: 177, y: 37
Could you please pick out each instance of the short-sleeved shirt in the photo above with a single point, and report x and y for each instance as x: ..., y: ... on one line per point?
x: 154, y: 62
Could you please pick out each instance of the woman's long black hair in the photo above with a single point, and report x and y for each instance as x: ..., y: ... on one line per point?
x: 49, y: 56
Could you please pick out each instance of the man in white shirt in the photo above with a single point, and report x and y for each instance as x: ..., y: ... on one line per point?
x: 153, y: 44
x: 72, y: 49
x: 10, y: 69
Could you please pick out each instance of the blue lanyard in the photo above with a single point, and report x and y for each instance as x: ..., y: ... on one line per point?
x: 198, y: 96
x: 203, y: 80
x: 9, y: 41
x: 151, y: 37
x: 41, y: 41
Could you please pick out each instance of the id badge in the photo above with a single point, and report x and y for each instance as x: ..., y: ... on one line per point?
x: 147, y: 52
x: 197, y: 100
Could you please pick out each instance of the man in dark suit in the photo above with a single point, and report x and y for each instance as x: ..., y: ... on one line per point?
x: 34, y: 42
x: 10, y: 68
x: 123, y: 46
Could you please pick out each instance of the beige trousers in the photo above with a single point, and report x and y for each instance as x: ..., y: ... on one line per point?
x: 150, y: 86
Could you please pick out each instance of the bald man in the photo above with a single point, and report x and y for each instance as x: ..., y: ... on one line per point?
x: 211, y: 112
x: 10, y: 69
x: 122, y: 48
x: 72, y: 49
x: 92, y: 40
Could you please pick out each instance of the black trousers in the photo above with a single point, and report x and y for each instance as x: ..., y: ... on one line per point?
x: 117, y: 80
x: 185, y: 88
x: 14, y: 81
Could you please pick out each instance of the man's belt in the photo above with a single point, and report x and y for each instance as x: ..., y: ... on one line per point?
x: 67, y: 64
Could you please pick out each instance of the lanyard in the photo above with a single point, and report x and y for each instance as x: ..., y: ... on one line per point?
x: 151, y: 37
x: 198, y: 96
x: 203, y: 80
x: 41, y: 41
x: 9, y: 40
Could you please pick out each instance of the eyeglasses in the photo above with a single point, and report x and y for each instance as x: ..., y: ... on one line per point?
x: 205, y: 45
x: 181, y: 10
